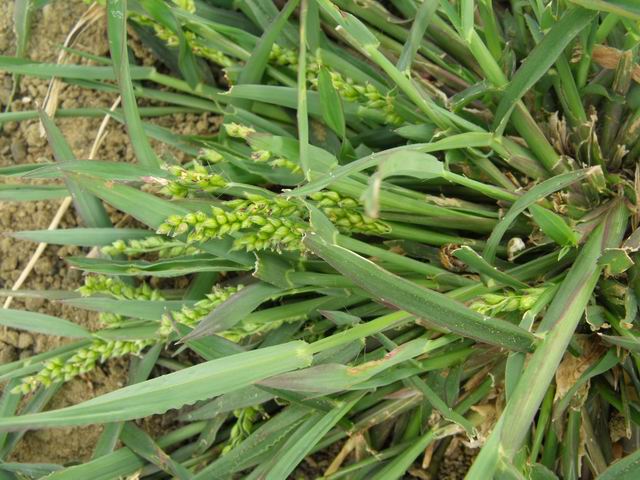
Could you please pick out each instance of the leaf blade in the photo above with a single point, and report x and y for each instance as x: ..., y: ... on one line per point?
x: 41, y: 323
x: 422, y: 302
x: 174, y: 390
x: 541, y: 58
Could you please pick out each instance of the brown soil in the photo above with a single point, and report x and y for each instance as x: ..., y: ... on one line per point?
x: 457, y: 461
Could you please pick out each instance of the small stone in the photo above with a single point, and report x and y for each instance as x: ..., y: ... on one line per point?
x: 10, y: 337
x: 34, y: 304
x: 5, y: 94
x: 10, y: 127
x: 202, y: 126
x: 7, y: 354
x: 43, y: 266
x: 24, y: 341
x: 33, y: 137
x: 4, y: 41
x: 18, y: 150
x: 9, y: 263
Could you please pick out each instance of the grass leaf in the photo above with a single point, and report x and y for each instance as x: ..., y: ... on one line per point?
x: 331, y: 103
x: 90, y: 208
x: 234, y: 309
x: 174, y: 390
x: 301, y: 442
x: 82, y: 237
x: 117, y: 30
x: 143, y: 309
x: 418, y: 28
x: 161, y: 13
x: 41, y: 323
x: 142, y: 444
x: 430, y: 305
x: 541, y: 58
x: 627, y: 468
x: 172, y: 267
x: 536, y: 193
x: 31, y: 193
x: 623, y: 8
x: 479, y: 265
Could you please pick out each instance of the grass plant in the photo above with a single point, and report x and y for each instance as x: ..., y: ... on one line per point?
x: 418, y: 221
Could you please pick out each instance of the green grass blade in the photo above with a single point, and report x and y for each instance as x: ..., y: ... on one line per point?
x: 627, y: 468
x: 31, y: 193
x: 90, y: 208
x: 41, y: 323
x: 480, y: 265
x: 289, y: 148
x: 101, y: 112
x: 174, y: 390
x: 399, y: 466
x: 428, y: 304
x: 254, y: 68
x: 559, y: 324
x: 22, y: 19
x: 228, y: 402
x: 97, y: 168
x: 333, y: 377
x: 30, y: 470
x: 623, y: 8
x: 128, y: 200
x: 83, y: 237
x: 22, y: 16
x: 117, y: 30
x: 302, y: 441
x: 554, y: 226
x: 464, y: 140
x: 139, y: 371
x: 143, y: 309
x: 331, y: 103
x: 123, y: 462
x: 33, y: 404
x: 302, y: 115
x: 235, y: 309
x: 162, y: 14
x: 630, y: 343
x: 143, y: 445
x: 541, y: 58
x: 418, y: 28
x: 535, y: 194
x: 46, y: 294
x: 409, y: 164
x: 8, y: 404
x: 68, y: 71
x: 171, y: 267
x: 263, y: 440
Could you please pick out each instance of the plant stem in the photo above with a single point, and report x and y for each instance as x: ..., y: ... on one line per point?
x: 557, y: 328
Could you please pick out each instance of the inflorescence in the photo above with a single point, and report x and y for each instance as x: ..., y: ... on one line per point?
x: 261, y: 223
x: 62, y: 369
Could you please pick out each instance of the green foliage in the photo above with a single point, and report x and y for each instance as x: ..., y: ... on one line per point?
x: 416, y: 221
